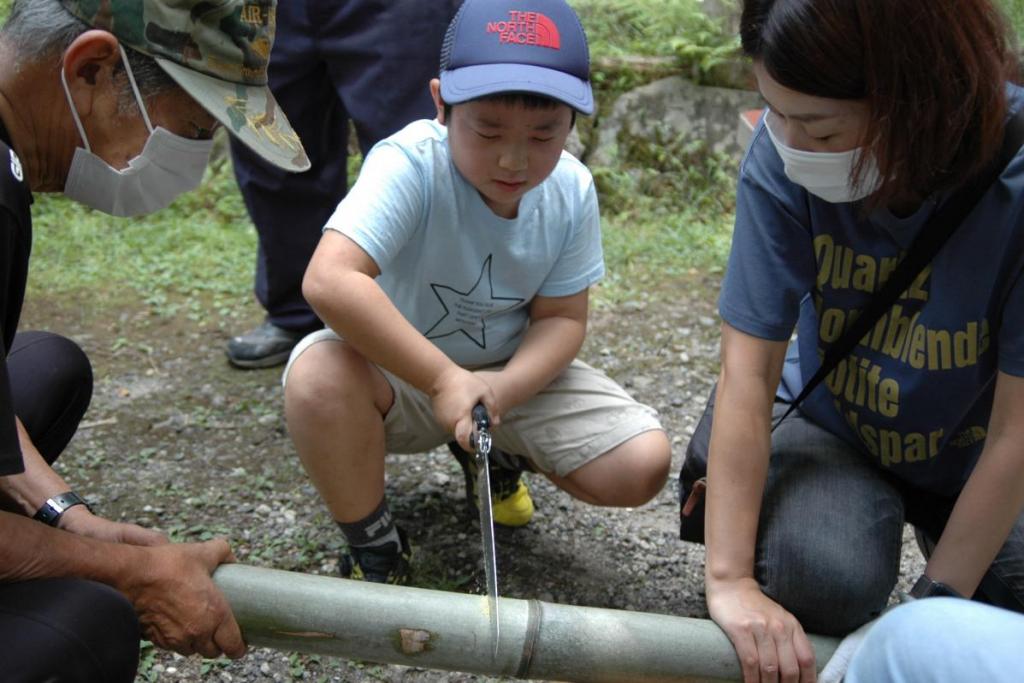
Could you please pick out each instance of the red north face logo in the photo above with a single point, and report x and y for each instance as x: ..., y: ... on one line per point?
x: 526, y: 28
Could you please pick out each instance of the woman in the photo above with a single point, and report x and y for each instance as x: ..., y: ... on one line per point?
x: 877, y: 111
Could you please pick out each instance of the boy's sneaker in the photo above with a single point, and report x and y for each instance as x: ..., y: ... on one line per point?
x: 511, y: 504
x: 378, y: 564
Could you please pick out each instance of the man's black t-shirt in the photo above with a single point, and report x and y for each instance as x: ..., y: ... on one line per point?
x: 15, y: 245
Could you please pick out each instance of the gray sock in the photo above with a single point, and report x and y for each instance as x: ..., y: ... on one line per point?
x: 375, y: 529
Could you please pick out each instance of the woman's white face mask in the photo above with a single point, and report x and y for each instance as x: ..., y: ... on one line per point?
x: 169, y: 165
x: 826, y: 174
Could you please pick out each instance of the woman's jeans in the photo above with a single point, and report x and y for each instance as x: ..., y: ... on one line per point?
x: 831, y: 526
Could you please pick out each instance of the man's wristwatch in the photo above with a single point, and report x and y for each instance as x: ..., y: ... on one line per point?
x: 926, y: 587
x: 51, y: 511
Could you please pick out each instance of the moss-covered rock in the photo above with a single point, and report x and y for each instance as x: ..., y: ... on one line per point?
x: 674, y: 108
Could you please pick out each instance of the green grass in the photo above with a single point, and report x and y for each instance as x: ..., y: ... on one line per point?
x: 668, y: 209
x: 1014, y: 10
x: 643, y: 256
x: 196, y: 255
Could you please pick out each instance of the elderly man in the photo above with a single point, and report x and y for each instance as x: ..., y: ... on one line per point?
x: 113, y: 103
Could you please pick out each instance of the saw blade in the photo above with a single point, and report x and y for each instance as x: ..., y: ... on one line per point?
x: 482, y: 444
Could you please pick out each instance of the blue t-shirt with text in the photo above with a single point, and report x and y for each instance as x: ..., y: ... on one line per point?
x: 916, y: 393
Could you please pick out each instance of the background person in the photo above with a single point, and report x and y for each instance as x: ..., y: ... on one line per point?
x: 115, y: 104
x: 334, y: 61
x: 877, y: 111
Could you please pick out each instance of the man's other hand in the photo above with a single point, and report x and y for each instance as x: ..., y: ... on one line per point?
x: 179, y: 606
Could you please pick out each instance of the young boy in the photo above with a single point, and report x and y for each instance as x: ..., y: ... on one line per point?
x: 456, y: 272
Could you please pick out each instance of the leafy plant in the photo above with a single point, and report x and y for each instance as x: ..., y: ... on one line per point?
x: 704, y: 45
x: 1014, y: 10
x: 639, y: 27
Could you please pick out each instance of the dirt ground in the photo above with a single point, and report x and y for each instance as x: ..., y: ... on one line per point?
x: 176, y: 439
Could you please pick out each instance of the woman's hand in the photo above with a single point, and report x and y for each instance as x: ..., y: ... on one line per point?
x: 770, y: 643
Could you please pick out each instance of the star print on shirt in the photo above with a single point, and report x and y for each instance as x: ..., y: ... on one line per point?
x: 467, y: 312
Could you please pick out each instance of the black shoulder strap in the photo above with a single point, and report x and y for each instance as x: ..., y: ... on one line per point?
x: 927, y: 243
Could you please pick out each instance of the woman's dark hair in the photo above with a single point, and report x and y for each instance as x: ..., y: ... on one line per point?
x: 932, y: 72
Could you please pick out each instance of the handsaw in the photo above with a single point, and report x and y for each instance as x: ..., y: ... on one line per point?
x: 481, y: 441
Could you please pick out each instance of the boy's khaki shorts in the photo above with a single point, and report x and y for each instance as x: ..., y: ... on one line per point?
x: 582, y: 414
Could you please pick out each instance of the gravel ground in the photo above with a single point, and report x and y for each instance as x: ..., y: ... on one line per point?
x: 177, y: 440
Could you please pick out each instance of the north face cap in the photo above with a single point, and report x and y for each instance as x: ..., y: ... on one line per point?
x: 531, y: 46
x: 217, y: 51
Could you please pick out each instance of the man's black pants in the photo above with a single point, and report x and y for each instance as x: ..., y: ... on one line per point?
x: 60, y: 630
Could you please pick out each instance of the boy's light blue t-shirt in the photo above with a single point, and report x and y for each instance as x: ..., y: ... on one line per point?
x: 463, y: 276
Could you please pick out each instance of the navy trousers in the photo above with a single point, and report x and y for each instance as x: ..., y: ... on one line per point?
x: 333, y: 61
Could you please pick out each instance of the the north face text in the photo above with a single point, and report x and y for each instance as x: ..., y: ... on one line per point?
x: 526, y: 28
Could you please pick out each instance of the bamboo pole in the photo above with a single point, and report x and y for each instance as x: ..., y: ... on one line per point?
x: 441, y: 630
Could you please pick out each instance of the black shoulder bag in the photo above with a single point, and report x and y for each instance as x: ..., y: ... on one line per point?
x: 921, y: 252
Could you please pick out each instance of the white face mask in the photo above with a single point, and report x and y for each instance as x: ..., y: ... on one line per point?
x: 168, y: 166
x: 827, y: 174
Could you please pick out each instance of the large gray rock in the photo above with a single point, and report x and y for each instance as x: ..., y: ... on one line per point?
x: 574, y: 145
x: 675, y: 108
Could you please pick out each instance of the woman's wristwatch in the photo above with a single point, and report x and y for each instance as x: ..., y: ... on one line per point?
x: 51, y: 511
x: 926, y: 587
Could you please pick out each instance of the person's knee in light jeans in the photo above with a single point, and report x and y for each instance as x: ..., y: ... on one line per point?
x: 941, y: 639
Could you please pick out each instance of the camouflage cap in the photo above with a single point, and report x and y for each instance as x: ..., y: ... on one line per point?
x: 217, y: 51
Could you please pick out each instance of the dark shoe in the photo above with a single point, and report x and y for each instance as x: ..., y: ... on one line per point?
x: 379, y: 564
x: 924, y: 544
x: 511, y: 504
x: 263, y: 347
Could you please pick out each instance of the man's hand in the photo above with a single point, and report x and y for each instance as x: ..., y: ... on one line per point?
x: 454, y: 395
x: 770, y: 643
x: 78, y: 520
x: 179, y: 606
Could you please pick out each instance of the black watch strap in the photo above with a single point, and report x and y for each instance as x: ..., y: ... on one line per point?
x: 53, y: 508
x: 926, y: 587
